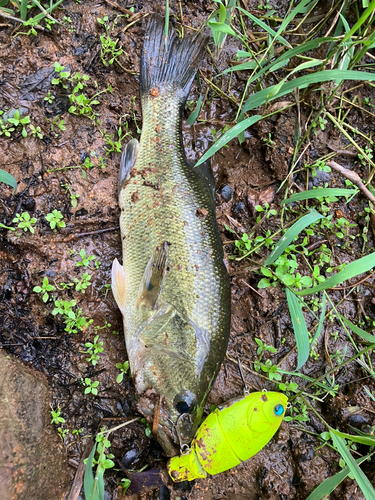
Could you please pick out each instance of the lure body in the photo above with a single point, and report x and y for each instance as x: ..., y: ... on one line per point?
x: 230, y: 436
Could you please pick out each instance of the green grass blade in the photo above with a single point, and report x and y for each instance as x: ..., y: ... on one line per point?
x: 221, y: 28
x: 300, y: 329
x: 353, y: 269
x: 292, y: 233
x: 370, y: 9
x: 101, y: 484
x: 166, y: 23
x: 194, y: 115
x: 331, y: 483
x: 283, y: 59
x: 321, y: 320
x: 314, y: 193
x: 228, y: 136
x: 23, y: 10
x: 88, y: 480
x: 8, y: 179
x: 264, y: 26
x: 303, y: 7
x: 308, y: 64
x: 367, y: 439
x: 42, y: 15
x: 242, y: 67
x: 302, y: 82
x: 361, y: 333
x: 358, y: 474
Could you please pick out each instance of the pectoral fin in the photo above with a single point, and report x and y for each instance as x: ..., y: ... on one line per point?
x: 118, y: 285
x: 152, y: 281
x: 128, y: 159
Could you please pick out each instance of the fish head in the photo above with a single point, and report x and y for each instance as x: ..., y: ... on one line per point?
x: 172, y: 372
x: 174, y: 421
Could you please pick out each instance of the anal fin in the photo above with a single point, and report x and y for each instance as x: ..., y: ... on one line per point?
x: 152, y: 281
x: 118, y: 284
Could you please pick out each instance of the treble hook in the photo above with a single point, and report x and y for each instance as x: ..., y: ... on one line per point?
x: 246, y: 388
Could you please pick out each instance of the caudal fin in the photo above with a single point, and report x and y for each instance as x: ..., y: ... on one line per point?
x: 172, y: 64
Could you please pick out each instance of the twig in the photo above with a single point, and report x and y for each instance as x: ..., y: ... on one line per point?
x: 354, y: 178
x: 118, y: 7
x: 251, y: 288
x: 355, y: 284
x: 80, y: 235
x: 6, y: 16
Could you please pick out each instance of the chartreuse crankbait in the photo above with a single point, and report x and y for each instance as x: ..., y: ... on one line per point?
x: 230, y: 435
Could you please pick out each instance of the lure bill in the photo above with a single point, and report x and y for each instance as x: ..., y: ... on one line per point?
x: 230, y: 436
x: 173, y: 288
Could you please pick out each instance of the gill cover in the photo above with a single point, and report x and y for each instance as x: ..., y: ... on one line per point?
x: 230, y: 436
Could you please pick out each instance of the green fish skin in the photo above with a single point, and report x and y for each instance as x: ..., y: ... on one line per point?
x: 173, y: 288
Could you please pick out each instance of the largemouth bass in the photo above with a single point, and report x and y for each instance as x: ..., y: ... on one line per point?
x: 173, y: 288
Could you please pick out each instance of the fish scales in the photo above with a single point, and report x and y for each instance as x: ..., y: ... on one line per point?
x: 175, y: 295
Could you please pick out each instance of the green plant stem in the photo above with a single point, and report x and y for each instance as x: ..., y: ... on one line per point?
x: 343, y: 131
x: 333, y: 370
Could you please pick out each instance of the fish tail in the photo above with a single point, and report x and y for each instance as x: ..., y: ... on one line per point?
x: 170, y: 63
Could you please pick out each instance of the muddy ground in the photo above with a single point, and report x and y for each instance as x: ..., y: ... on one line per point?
x: 289, y: 467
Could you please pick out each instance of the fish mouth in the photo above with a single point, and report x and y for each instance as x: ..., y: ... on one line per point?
x: 172, y: 430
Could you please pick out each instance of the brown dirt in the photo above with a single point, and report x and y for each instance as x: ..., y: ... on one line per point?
x: 287, y: 468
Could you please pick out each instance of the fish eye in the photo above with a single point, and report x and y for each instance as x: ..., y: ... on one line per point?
x: 183, y: 407
x: 185, y: 403
x: 279, y: 410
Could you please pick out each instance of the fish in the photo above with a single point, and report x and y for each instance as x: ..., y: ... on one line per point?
x: 172, y: 289
x: 231, y: 434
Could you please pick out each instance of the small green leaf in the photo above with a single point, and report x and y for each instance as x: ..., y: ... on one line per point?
x: 266, y: 272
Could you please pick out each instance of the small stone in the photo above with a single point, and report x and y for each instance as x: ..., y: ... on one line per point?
x: 356, y: 420
x: 239, y: 207
x: 226, y: 193
x: 28, y: 204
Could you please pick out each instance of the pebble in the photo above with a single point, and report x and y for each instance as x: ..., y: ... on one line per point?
x: 226, y: 193
x: 239, y: 207
x: 357, y: 420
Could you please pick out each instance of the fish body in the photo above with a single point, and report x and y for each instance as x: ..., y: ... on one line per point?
x: 230, y: 435
x: 173, y: 288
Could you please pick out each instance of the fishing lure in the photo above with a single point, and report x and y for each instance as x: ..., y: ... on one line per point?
x: 230, y: 435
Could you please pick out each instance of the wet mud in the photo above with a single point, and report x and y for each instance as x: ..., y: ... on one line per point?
x: 289, y: 467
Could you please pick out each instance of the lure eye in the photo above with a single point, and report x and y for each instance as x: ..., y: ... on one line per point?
x: 279, y: 410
